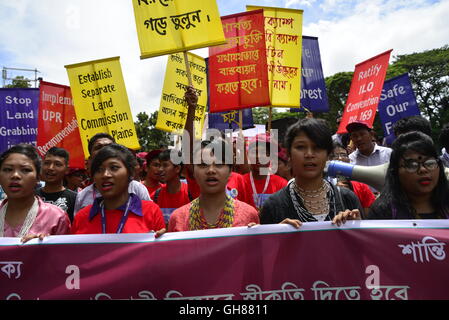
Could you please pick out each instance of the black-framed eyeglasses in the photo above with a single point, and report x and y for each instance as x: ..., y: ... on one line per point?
x: 413, y: 166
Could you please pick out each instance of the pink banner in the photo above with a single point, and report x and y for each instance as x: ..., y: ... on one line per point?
x: 379, y: 260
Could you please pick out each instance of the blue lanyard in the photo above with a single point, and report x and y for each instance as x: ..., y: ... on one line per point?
x: 122, y: 221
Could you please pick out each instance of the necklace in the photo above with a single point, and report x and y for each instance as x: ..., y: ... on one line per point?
x: 29, y: 220
x: 315, y: 201
x: 198, y: 222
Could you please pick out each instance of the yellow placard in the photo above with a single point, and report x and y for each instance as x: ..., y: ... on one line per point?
x: 283, y: 36
x: 101, y: 102
x: 173, y: 109
x: 170, y: 26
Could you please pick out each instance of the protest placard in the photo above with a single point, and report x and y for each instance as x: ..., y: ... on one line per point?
x: 101, y: 102
x: 364, y: 94
x: 238, y: 74
x: 173, y: 109
x: 57, y: 124
x: 18, y: 116
x: 397, y: 101
x: 283, y: 35
x: 168, y: 26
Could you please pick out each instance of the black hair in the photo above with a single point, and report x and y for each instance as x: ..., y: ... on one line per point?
x: 316, y: 130
x: 444, y: 137
x: 114, y: 151
x: 412, y: 123
x: 26, y: 149
x: 345, y: 139
x: 221, y: 146
x: 165, y: 155
x: 59, y: 152
x: 97, y: 137
x: 392, y: 196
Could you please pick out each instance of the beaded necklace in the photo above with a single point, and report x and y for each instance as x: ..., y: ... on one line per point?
x: 315, y: 201
x: 197, y: 221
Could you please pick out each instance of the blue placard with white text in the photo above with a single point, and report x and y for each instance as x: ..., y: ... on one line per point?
x: 397, y: 101
x: 313, y: 87
x: 18, y: 116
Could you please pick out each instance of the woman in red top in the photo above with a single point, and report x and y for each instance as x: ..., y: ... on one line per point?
x: 214, y: 208
x: 116, y: 211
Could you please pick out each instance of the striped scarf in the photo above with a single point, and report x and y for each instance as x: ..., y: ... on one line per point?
x: 198, y: 222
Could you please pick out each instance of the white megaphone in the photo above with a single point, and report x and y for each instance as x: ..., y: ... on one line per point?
x: 373, y: 175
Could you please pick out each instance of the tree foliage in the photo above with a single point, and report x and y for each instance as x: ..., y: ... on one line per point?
x: 150, y: 138
x: 19, y: 82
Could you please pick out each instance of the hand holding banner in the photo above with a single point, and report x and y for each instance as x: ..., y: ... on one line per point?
x: 101, y: 102
x: 365, y: 90
x: 168, y: 26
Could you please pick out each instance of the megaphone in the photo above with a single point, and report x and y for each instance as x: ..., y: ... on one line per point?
x: 373, y: 175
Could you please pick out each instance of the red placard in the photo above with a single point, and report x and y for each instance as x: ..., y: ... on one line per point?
x: 364, y: 94
x: 238, y: 70
x: 57, y: 124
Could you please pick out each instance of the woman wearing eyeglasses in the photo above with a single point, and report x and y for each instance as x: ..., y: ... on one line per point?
x: 415, y: 186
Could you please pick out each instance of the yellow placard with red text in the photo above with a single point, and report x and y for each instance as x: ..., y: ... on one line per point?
x: 169, y: 26
x: 173, y: 109
x: 101, y: 102
x: 283, y: 36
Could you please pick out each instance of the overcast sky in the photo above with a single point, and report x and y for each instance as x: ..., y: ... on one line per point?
x: 48, y: 34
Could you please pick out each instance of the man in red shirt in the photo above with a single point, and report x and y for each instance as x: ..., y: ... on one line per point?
x: 260, y: 183
x: 174, y: 194
x: 152, y: 178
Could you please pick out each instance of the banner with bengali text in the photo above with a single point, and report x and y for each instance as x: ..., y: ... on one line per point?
x: 230, y: 120
x: 313, y: 86
x: 283, y: 36
x: 364, y: 93
x: 57, y: 125
x: 168, y: 26
x: 408, y: 261
x: 18, y: 116
x: 173, y: 109
x: 397, y: 101
x: 101, y: 102
x: 238, y: 77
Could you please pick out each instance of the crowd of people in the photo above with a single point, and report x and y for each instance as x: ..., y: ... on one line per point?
x: 120, y: 191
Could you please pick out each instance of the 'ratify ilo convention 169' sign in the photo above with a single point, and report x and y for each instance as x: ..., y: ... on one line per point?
x: 101, y: 102
x: 364, y: 94
x: 18, y: 116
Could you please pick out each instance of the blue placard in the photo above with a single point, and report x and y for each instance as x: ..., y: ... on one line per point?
x: 397, y: 101
x: 313, y: 87
x: 18, y: 116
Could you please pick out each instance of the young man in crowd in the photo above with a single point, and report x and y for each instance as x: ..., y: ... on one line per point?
x: 153, y: 171
x: 76, y: 179
x: 54, y: 168
x: 173, y: 194
x: 259, y: 185
x: 90, y: 193
x: 367, y: 152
